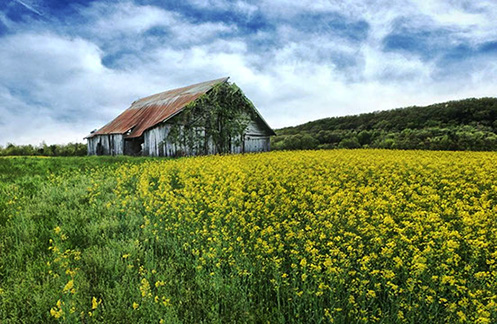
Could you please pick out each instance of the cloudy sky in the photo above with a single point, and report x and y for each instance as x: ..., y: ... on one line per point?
x: 68, y: 67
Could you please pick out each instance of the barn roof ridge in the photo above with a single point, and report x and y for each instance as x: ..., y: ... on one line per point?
x: 187, y: 89
x: 151, y: 110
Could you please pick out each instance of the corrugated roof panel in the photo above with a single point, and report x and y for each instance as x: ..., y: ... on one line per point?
x: 149, y: 111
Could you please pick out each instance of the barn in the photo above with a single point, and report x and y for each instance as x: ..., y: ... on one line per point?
x: 205, y: 118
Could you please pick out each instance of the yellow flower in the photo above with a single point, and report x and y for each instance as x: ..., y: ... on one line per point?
x: 371, y: 293
x: 370, y: 220
x: 303, y: 262
x: 68, y: 286
x: 135, y: 305
x: 145, y: 288
x: 95, y: 303
x: 159, y: 283
x: 56, y: 313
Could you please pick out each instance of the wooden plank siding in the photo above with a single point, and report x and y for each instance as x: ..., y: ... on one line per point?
x: 112, y: 144
x: 154, y: 141
x: 256, y: 138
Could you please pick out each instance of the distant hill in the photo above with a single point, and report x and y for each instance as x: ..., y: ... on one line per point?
x: 469, y: 124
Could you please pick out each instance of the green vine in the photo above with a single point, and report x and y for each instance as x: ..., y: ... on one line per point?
x: 220, y: 116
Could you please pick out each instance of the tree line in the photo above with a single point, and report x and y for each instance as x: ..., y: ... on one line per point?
x: 70, y: 149
x: 469, y: 124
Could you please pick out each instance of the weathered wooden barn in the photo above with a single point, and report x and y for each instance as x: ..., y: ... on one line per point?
x: 205, y: 118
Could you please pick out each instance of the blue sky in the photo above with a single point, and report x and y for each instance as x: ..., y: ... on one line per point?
x: 68, y: 67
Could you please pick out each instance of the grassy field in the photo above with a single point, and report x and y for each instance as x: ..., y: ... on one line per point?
x: 343, y: 236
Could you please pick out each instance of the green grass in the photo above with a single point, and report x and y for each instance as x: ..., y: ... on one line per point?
x: 277, y: 237
x: 38, y: 194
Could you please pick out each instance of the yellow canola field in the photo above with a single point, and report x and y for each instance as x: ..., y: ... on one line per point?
x: 334, y: 236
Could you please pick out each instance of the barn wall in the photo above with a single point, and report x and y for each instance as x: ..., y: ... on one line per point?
x: 157, y: 144
x: 237, y: 148
x: 256, y: 144
x: 117, y: 144
x: 91, y: 146
x: 154, y: 143
x: 255, y: 128
x: 256, y: 138
x: 112, y: 144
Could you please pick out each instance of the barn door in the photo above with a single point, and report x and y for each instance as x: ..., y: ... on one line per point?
x: 100, y: 149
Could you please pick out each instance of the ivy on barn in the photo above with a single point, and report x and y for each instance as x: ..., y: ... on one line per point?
x: 220, y: 116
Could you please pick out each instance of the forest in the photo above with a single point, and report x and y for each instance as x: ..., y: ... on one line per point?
x: 469, y: 124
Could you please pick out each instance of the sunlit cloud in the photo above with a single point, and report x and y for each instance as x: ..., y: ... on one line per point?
x: 80, y: 64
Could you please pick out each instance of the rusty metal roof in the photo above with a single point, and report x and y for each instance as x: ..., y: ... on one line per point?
x: 152, y: 110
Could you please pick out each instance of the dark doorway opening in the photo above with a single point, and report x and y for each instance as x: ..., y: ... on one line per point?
x: 99, y: 149
x: 133, y: 146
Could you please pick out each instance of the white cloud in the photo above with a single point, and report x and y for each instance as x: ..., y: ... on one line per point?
x: 41, y: 54
x: 56, y: 88
x: 127, y: 19
x: 51, y: 82
x: 29, y: 123
x: 245, y: 8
